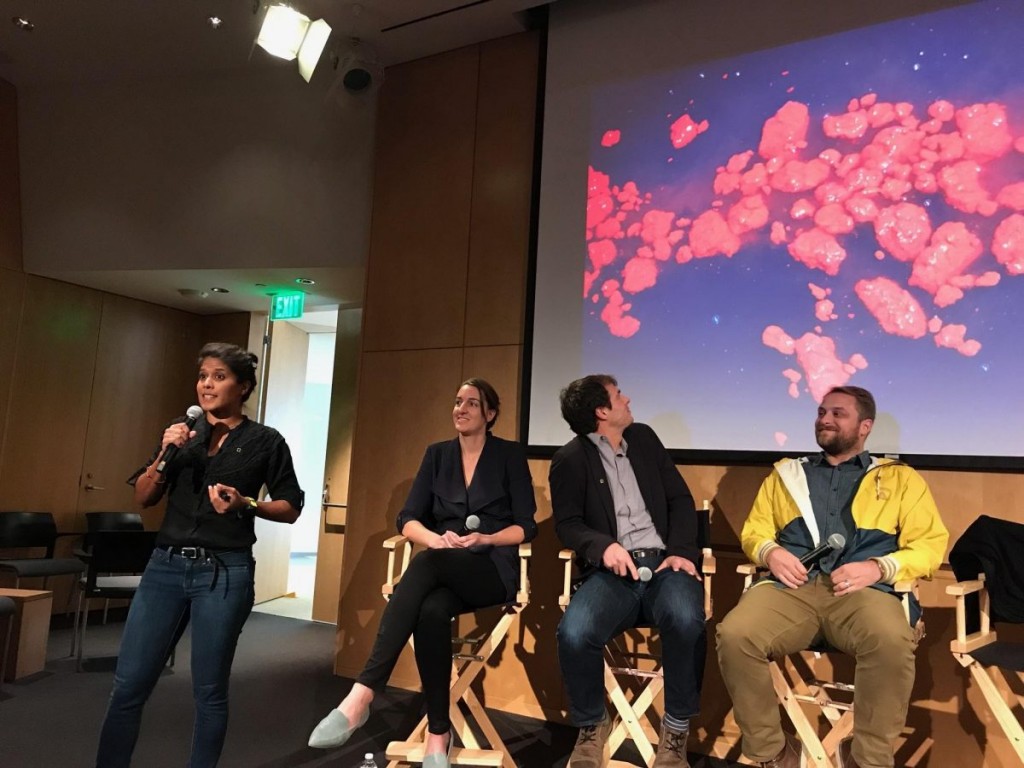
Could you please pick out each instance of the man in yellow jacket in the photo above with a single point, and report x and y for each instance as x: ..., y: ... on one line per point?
x: 892, y: 532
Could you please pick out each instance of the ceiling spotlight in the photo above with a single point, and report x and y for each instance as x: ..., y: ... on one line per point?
x: 359, y: 70
x: 220, y: 290
x: 305, y: 281
x: 215, y: 21
x: 193, y: 293
x: 22, y: 23
x: 288, y: 34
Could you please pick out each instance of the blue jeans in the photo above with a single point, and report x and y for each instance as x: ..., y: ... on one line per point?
x: 216, y: 595
x: 606, y: 605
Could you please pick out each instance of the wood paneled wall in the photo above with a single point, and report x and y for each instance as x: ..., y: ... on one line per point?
x: 446, y: 281
x: 87, y: 379
x: 10, y: 191
x: 445, y: 299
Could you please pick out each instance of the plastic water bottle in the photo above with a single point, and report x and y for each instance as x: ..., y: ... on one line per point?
x: 368, y: 761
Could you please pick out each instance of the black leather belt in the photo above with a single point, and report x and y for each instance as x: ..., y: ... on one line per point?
x: 192, y: 553
x: 641, y: 554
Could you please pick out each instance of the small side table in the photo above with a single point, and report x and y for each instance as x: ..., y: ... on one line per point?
x: 27, y: 654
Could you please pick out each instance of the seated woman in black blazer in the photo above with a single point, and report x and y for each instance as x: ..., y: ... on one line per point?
x: 476, y: 474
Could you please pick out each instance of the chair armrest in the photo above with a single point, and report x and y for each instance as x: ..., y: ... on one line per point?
x: 748, y: 571
x: 708, y: 567
x: 523, y: 595
x: 966, y: 643
x: 708, y: 564
x: 905, y: 587
x: 566, y: 556
x: 394, y: 576
x: 966, y: 587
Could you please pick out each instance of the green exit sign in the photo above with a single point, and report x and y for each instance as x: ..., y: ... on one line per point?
x: 286, y: 306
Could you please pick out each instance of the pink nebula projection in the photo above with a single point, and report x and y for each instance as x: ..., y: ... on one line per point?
x: 882, y: 159
x: 611, y: 138
x: 684, y: 130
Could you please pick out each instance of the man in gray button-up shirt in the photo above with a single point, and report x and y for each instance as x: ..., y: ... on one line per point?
x: 620, y: 503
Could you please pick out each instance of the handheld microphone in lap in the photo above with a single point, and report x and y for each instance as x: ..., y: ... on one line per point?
x: 471, y: 524
x: 192, y: 415
x: 834, y: 542
x: 645, y: 573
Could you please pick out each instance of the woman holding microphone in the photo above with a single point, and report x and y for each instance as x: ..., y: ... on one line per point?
x: 475, y: 475
x: 201, y: 571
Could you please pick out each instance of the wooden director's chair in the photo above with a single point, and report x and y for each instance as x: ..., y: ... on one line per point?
x: 466, y: 666
x: 799, y: 690
x: 633, y: 718
x: 986, y: 657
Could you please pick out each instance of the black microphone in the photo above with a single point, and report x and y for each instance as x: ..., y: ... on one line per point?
x: 192, y: 415
x: 834, y: 542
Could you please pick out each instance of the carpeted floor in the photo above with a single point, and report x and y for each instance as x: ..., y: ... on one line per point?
x: 281, y: 686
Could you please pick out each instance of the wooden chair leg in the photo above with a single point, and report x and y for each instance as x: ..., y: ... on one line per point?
x: 813, y: 748
x: 1000, y: 710
x: 465, y: 669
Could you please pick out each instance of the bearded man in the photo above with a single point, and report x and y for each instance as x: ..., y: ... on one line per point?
x: 892, y: 529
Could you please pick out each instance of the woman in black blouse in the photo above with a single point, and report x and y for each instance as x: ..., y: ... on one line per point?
x: 476, y: 474
x: 202, y: 568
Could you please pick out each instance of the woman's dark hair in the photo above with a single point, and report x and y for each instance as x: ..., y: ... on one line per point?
x: 489, y: 400
x: 242, y: 362
x: 582, y: 398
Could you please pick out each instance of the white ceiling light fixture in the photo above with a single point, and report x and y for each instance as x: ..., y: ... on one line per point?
x: 288, y: 34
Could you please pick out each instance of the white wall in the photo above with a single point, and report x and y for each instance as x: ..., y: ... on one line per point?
x: 249, y: 169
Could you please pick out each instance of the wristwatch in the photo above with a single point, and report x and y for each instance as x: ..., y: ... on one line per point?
x: 251, y: 506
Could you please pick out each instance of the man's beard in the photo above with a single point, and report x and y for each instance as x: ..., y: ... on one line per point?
x: 835, y: 443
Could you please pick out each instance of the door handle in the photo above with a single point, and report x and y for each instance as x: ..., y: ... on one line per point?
x: 91, y: 487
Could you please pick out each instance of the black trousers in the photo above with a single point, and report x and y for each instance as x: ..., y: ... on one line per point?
x: 438, y: 585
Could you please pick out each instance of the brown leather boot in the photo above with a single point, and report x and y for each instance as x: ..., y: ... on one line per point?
x: 671, y: 749
x: 789, y: 757
x: 591, y: 750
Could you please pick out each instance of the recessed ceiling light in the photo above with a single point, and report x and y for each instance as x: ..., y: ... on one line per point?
x: 220, y: 290
x: 22, y: 23
x: 260, y: 285
x: 215, y: 21
x: 305, y: 281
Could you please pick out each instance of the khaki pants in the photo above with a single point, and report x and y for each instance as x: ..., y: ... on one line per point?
x: 771, y: 621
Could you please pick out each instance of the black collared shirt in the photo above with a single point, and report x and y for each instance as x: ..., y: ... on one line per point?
x: 832, y: 489
x: 251, y: 456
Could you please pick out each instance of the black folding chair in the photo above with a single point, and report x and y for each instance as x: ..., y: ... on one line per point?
x: 115, y: 561
x: 33, y: 530
x: 109, y: 521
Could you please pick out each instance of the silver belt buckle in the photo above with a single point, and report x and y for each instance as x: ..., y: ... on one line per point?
x: 190, y: 552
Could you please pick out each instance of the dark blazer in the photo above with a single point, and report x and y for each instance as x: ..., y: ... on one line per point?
x: 582, y: 501
x: 501, y: 495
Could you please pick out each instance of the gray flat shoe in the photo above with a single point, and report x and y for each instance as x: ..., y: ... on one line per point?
x: 334, y: 730
x: 436, y: 759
